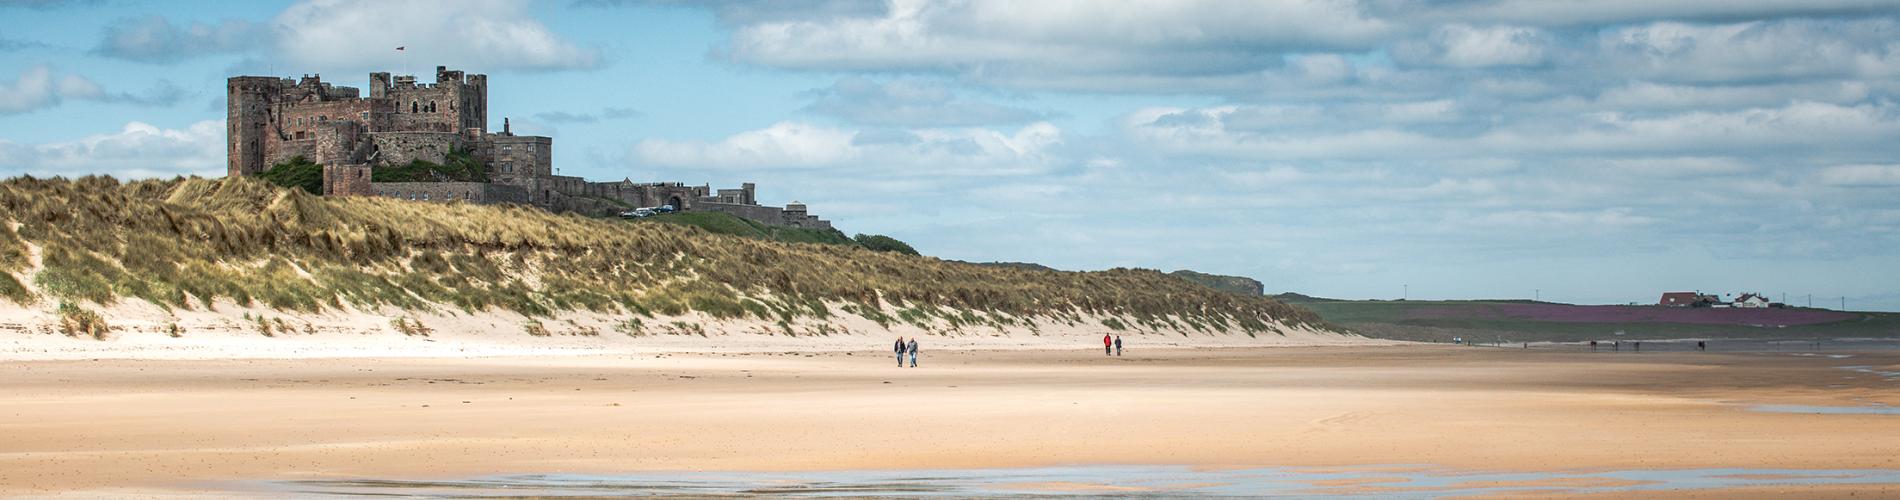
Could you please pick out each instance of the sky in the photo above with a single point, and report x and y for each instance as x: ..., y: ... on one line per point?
x: 1580, y: 151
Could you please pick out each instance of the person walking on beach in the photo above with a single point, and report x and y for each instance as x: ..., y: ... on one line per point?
x: 913, y: 352
x: 1118, y: 345
x: 1108, y: 342
x: 900, y: 351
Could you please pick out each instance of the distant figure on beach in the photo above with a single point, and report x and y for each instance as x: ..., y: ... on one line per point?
x: 900, y: 351
x: 1108, y: 343
x: 1593, y: 345
x: 1118, y: 345
x: 1700, y: 346
x: 1639, y: 346
x: 913, y: 352
x: 1616, y: 345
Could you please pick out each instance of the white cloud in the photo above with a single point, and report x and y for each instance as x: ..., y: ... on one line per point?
x: 1466, y: 46
x: 34, y: 89
x: 1790, y: 49
x: 1814, y: 128
x: 152, y: 39
x: 43, y: 86
x: 1610, y: 12
x: 137, y: 151
x: 733, y: 12
x: 910, y: 103
x: 985, y: 39
x: 787, y: 144
x: 359, y: 34
x: 1862, y: 175
x: 951, y: 152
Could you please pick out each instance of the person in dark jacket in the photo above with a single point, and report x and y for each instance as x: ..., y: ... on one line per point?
x: 913, y: 352
x: 900, y: 351
x: 1118, y: 345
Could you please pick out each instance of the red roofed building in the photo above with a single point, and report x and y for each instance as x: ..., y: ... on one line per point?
x: 1688, y: 299
x: 1751, y: 300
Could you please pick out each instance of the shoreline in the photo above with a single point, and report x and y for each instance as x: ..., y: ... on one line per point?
x: 154, y: 427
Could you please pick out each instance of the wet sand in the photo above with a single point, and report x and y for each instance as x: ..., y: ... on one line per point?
x: 151, y: 428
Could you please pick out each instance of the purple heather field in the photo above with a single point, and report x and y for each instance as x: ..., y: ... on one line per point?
x: 1630, y: 314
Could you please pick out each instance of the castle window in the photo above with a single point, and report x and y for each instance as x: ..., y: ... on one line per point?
x: 431, y: 106
x: 530, y: 148
x: 412, y: 106
x: 365, y: 116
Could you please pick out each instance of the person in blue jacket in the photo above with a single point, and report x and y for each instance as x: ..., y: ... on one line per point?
x: 913, y: 352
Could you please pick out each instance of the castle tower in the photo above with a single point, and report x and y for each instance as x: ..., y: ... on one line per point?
x: 250, y: 121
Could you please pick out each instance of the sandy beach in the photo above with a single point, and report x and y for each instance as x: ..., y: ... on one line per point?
x: 191, y: 427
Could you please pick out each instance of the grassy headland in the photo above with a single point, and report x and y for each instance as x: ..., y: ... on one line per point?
x: 728, y: 224
x: 191, y: 243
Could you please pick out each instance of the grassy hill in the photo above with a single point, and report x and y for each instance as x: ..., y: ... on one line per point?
x: 189, y: 243
x: 1237, y: 284
x: 728, y: 224
x: 1529, y: 321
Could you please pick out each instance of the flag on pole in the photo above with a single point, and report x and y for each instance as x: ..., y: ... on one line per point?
x: 402, y: 47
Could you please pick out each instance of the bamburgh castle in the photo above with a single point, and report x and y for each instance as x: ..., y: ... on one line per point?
x: 273, y: 120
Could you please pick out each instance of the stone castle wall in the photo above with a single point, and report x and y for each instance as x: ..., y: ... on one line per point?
x: 347, y: 180
x: 399, y: 148
x: 271, y: 120
x: 768, y: 215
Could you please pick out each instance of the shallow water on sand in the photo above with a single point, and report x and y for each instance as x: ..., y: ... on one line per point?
x: 1381, y: 482
x: 1790, y: 346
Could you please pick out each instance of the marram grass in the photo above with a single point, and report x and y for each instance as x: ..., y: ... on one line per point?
x: 188, y: 243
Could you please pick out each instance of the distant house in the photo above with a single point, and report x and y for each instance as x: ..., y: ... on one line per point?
x: 1687, y: 299
x: 1751, y: 300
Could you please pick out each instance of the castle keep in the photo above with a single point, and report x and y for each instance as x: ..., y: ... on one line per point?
x: 272, y: 120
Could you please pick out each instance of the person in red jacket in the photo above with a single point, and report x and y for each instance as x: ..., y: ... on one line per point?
x: 1108, y: 345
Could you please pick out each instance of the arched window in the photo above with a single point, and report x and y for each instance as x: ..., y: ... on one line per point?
x: 412, y: 107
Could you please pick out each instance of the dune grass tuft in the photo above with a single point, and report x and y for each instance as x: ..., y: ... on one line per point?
x: 75, y: 321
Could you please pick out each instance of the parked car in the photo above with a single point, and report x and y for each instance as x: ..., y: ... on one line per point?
x: 644, y: 212
x: 665, y: 209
